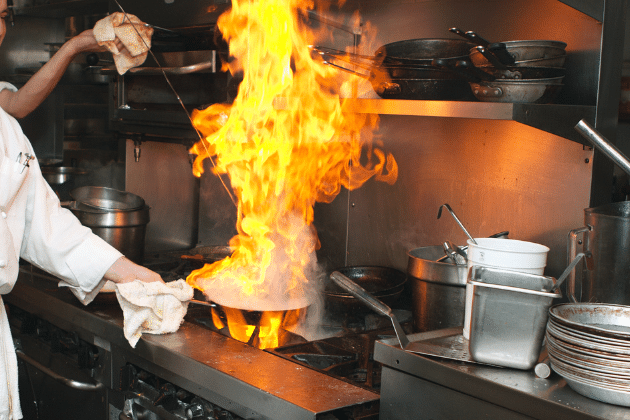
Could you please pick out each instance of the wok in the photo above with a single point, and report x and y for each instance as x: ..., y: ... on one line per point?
x: 511, y: 84
x: 404, y: 69
x: 413, y: 52
x: 385, y: 283
x: 488, y: 74
x: 514, y: 53
x: 421, y: 83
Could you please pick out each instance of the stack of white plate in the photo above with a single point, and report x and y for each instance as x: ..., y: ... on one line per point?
x: 589, y: 346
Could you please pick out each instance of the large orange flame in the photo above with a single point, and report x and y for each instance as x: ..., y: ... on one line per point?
x: 285, y: 143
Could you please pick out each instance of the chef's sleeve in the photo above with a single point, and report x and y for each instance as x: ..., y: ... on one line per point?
x: 55, y: 241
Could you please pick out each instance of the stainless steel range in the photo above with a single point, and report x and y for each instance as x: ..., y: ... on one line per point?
x: 195, y: 373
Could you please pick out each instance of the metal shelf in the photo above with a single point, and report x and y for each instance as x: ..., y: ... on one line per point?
x: 559, y: 120
x: 62, y: 8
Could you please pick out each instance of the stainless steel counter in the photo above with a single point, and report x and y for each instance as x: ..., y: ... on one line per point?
x: 441, y: 388
x: 242, y: 379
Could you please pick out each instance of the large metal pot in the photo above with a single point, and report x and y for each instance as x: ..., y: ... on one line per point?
x: 124, y: 230
x: 606, y: 239
x: 438, y: 289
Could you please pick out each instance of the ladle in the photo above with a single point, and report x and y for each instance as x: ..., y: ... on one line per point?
x: 455, y: 253
x: 566, y: 272
x: 463, y: 249
x: 457, y: 220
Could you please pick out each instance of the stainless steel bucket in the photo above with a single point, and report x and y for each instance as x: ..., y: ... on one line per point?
x: 607, y: 238
x: 438, y: 289
x: 124, y: 230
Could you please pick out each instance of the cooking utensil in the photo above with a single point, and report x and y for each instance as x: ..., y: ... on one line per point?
x: 513, y: 88
x: 450, y: 210
x: 415, y: 83
x: 437, y: 289
x: 503, y: 235
x: 412, y: 52
x: 103, y: 198
x: 508, y: 317
x: 455, y: 253
x: 532, y: 53
x: 57, y: 175
x: 566, y: 272
x: 495, y: 52
x: 387, y: 284
x: 378, y: 306
x: 490, y: 74
x: 605, y: 238
x: 123, y: 229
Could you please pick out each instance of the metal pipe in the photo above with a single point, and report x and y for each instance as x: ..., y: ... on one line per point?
x: 603, y: 145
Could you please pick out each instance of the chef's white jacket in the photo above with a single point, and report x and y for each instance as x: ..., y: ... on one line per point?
x: 35, y: 227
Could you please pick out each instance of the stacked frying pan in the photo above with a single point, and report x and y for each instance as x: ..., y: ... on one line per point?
x: 589, y: 346
x: 457, y: 69
x: 405, y: 70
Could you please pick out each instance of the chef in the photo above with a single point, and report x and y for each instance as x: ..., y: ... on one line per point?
x: 33, y: 225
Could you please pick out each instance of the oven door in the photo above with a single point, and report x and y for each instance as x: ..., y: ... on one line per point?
x: 56, y: 372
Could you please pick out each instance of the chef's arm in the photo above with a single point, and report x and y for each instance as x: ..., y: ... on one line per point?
x: 21, y: 103
x: 124, y: 271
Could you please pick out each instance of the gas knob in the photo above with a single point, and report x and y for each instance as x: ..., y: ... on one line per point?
x: 193, y: 411
x: 167, y: 398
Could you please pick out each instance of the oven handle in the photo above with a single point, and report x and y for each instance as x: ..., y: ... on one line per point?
x: 81, y: 386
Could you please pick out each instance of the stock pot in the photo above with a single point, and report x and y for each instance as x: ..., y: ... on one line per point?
x: 124, y: 230
x: 438, y: 289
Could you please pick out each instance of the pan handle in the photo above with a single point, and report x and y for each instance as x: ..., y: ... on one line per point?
x: 363, y: 295
x: 474, y: 37
x: 492, y: 59
x: 499, y: 50
x: 471, y: 36
x: 464, y: 69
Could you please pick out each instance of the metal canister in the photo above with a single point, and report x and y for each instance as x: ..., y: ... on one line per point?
x: 607, y: 246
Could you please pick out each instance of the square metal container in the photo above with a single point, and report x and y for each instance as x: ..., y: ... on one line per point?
x: 509, y: 316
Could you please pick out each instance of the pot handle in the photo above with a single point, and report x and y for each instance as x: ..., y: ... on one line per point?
x: 571, y: 254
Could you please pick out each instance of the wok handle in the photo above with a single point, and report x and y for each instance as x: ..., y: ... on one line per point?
x: 499, y: 50
x: 474, y: 37
x: 363, y: 295
x: 360, y: 293
x: 603, y: 145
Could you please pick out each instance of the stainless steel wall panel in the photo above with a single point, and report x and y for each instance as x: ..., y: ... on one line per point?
x: 163, y: 177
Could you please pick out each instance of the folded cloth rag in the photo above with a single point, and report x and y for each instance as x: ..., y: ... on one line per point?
x: 132, y: 32
x: 154, y: 308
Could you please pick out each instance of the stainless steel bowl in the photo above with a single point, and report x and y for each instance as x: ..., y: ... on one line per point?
x: 57, y: 175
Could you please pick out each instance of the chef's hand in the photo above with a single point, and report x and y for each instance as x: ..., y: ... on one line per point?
x: 124, y: 271
x: 85, y: 42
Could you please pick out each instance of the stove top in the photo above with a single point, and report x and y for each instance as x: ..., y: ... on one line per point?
x: 345, y: 350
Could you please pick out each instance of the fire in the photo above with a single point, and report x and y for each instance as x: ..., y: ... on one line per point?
x: 285, y: 144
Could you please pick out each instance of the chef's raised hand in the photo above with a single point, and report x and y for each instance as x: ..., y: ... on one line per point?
x: 125, y: 270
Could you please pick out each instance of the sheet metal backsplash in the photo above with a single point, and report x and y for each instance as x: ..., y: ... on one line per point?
x: 496, y: 176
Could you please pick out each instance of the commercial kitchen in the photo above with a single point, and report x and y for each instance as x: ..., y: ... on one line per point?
x: 449, y: 163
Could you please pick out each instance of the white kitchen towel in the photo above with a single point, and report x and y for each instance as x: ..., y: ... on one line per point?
x: 132, y: 32
x: 154, y: 308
